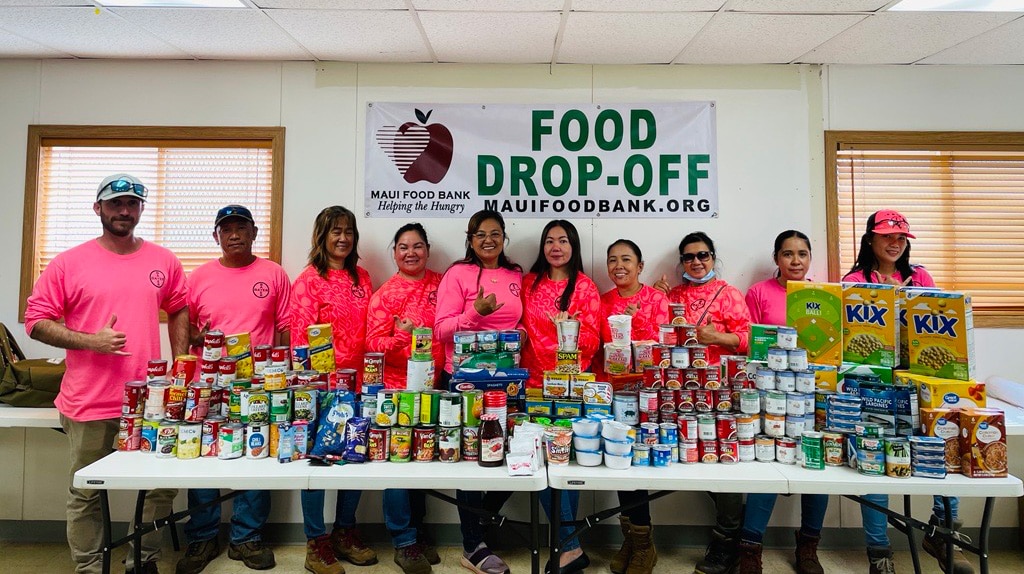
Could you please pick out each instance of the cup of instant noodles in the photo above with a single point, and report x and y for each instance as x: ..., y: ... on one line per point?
x: 621, y: 327
x: 568, y: 334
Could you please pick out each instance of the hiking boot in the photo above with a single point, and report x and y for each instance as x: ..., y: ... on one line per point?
x: 428, y: 548
x: 644, y: 556
x: 483, y: 561
x: 621, y: 559
x: 750, y: 558
x: 720, y: 557
x: 807, y: 554
x: 320, y: 558
x: 197, y: 556
x: 348, y: 546
x: 936, y: 546
x: 253, y: 554
x: 147, y: 568
x: 880, y: 560
x: 411, y: 560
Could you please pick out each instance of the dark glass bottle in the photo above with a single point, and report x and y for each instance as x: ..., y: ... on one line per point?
x: 492, y: 441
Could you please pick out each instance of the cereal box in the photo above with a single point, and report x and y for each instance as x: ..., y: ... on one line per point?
x: 239, y: 348
x: 983, y: 443
x: 870, y: 324
x: 816, y: 310
x: 944, y: 393
x: 904, y: 296
x: 321, y: 347
x: 762, y: 337
x: 940, y: 335
x: 945, y: 424
x: 826, y: 377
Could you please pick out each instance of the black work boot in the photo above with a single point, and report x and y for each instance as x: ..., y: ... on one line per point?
x: 721, y: 555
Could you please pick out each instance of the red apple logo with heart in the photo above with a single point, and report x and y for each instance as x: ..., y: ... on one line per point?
x: 420, y: 152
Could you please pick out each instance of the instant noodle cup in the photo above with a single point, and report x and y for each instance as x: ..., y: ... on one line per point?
x: 621, y: 328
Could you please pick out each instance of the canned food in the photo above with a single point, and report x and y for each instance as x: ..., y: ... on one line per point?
x: 667, y: 337
x: 134, y: 399
x: 688, y: 429
x: 775, y: 425
x: 707, y: 427
x: 387, y: 408
x: 465, y: 342
x: 275, y: 377
x: 641, y: 455
x: 190, y: 436
x: 129, y: 434
x: 686, y: 401
x: 197, y: 402
x: 693, y: 378
x: 156, y: 397
x: 147, y: 441
x: 378, y: 444
x: 471, y: 443
x: 661, y: 455
x: 231, y: 441
x: 227, y: 370
x: 304, y: 404
x: 487, y: 341
x: 167, y: 439
x: 210, y: 436
x: 747, y: 450
x: 785, y: 381
x: 344, y: 379
x: 832, y: 448
x: 765, y: 379
x: 764, y: 448
x: 255, y: 407
x: 668, y: 433
x: 373, y: 368
x: 667, y: 401
x: 510, y: 342
x: 703, y: 400
x: 450, y: 410
x: 626, y: 407
x: 449, y: 443
x: 661, y: 356
x: 871, y: 462
x: 786, y: 337
x: 775, y: 403
x: 728, y: 451
x: 795, y: 426
x: 689, y: 453
x: 672, y: 378
x: 778, y: 359
x: 750, y: 401
x: 747, y: 426
x: 698, y: 356
x: 430, y: 406
x: 301, y: 360
x: 723, y: 400
x: 725, y: 426
x: 812, y: 447
x: 708, y: 450
x: 401, y: 444
x: 408, y: 408
x: 680, y: 357
x: 797, y: 359
x: 897, y: 457
x: 472, y: 409
x: 804, y: 381
x: 795, y: 404
x: 649, y: 433
x: 156, y: 370
x: 424, y: 440
x: 785, y: 450
x: 648, y: 400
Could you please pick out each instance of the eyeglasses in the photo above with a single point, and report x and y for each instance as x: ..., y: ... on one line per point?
x: 122, y: 185
x: 494, y: 236
x: 689, y: 257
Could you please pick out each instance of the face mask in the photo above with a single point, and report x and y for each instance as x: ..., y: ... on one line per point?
x: 702, y: 280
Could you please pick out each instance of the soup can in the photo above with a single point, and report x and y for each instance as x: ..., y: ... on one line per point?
x: 686, y: 401
x: 672, y: 378
x: 227, y: 370
x: 231, y: 441
x: 680, y: 357
x: 667, y: 337
x: 693, y: 378
x: 156, y: 370
x: 785, y: 381
x: 723, y: 400
x: 786, y: 337
x: 134, y: 399
x: 747, y: 450
x: 150, y: 427
x: 156, y: 397
x: 765, y: 379
x: 797, y: 359
x: 728, y: 451
x: 785, y: 450
x: 698, y: 356
x: 688, y: 451
x: 703, y: 400
x: 667, y: 401
x: 652, y: 379
x: 687, y: 427
x: 795, y: 404
x: 708, y: 450
x: 747, y: 426
x: 775, y: 425
x: 804, y: 381
x: 725, y: 425
x: 750, y: 401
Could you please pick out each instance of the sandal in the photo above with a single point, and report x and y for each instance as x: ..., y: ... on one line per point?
x: 483, y: 561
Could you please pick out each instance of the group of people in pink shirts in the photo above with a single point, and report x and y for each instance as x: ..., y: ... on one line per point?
x: 101, y: 302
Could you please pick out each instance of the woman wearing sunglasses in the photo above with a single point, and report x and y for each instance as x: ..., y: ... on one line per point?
x: 767, y: 303
x: 723, y: 324
x: 884, y: 257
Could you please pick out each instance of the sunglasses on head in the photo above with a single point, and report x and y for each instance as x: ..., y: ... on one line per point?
x: 689, y: 257
x: 897, y: 223
x: 122, y: 185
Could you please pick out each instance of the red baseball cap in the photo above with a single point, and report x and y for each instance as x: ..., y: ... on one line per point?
x: 888, y: 222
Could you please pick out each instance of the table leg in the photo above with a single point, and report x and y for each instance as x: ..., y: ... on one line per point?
x: 986, y: 519
x: 948, y: 512
x: 555, y: 525
x: 175, y: 543
x: 105, y: 512
x: 914, y: 557
x: 140, y: 503
x: 534, y: 532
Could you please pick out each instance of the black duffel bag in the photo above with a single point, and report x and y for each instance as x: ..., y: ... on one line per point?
x: 27, y: 382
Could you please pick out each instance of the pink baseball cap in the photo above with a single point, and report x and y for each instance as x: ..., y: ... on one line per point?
x: 888, y: 222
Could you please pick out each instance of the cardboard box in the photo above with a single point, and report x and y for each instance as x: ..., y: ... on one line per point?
x: 904, y: 297
x: 617, y: 359
x: 872, y: 372
x: 643, y: 354
x: 941, y: 335
x: 943, y: 393
x: 816, y: 310
x: 321, y: 347
x: 826, y: 377
x: 239, y: 348
x: 762, y: 337
x: 945, y: 424
x: 983, y: 443
x: 870, y: 324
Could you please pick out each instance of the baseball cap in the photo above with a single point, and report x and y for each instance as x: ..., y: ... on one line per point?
x: 229, y: 211
x: 121, y: 185
x: 888, y: 222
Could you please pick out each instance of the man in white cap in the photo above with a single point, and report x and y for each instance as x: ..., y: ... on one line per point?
x: 101, y: 301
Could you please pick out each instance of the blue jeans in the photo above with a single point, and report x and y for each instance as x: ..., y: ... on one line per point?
x: 876, y: 523
x: 759, y: 512
x: 403, y: 515
x: 251, y: 509
x: 473, y: 534
x: 313, y: 511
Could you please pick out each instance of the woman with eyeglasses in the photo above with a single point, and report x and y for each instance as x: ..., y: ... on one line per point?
x: 884, y: 257
x: 404, y: 302
x: 333, y: 289
x: 648, y: 308
x: 555, y: 290
x: 723, y: 324
x: 480, y: 292
x: 767, y: 303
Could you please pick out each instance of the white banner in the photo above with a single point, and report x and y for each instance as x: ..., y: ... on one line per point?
x: 570, y: 161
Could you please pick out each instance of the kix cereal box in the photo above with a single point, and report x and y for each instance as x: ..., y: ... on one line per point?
x: 321, y: 347
x: 904, y: 296
x: 816, y: 310
x: 940, y: 335
x: 870, y: 324
x: 947, y: 393
x: 983, y: 443
x: 239, y: 348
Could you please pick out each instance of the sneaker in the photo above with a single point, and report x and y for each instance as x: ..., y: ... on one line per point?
x: 483, y: 561
x: 411, y: 560
x: 320, y: 558
x: 880, y: 560
x: 147, y: 568
x: 720, y: 557
x: 348, y: 546
x: 197, y: 556
x: 253, y: 554
x: 936, y: 546
x: 807, y: 554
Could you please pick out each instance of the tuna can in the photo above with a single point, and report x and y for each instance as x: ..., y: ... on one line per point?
x: 832, y: 448
x: 795, y: 404
x: 197, y: 402
x: 725, y: 426
x: 449, y: 443
x: 156, y: 370
x: 786, y: 337
x: 708, y: 450
x: 750, y: 402
x: 134, y: 400
x: 688, y: 452
x: 706, y: 428
x: 687, y: 427
x: 804, y: 381
x: 430, y: 407
x: 449, y: 411
x: 472, y: 408
x: 387, y: 408
x: 765, y: 379
x: 778, y: 359
x: 256, y: 441
x: 797, y: 359
x: 667, y: 337
x: 703, y: 400
x: 275, y: 377
x: 723, y: 400
x: 626, y: 407
x: 471, y: 443
x: 728, y: 451
x: 378, y: 444
x: 686, y: 401
x: 785, y: 450
x: 764, y: 448
x: 129, y: 434
x: 785, y: 381
x: 156, y: 397
x: 661, y: 455
x: 680, y: 357
x: 747, y: 426
x: 210, y: 436
x: 465, y: 342
x: 190, y: 438
x: 775, y: 403
x: 167, y: 439
x: 424, y: 441
x: 649, y: 433
x: 408, y: 408
x: 698, y: 356
x: 227, y: 370
x: 641, y: 455
x: 147, y: 442
x: 487, y: 341
x: 775, y: 425
x: 747, y: 450
x: 401, y: 444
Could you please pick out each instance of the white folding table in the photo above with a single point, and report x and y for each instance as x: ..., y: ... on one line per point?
x: 29, y: 417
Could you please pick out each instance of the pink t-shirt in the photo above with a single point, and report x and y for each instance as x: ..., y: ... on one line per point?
x: 539, y: 305
x: 456, y: 294
x: 407, y: 299
x: 727, y: 311
x: 84, y: 286
x: 919, y: 278
x: 251, y: 299
x: 336, y: 300
x: 767, y: 302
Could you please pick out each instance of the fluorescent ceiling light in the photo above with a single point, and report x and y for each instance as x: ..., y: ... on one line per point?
x: 172, y: 3
x: 959, y: 6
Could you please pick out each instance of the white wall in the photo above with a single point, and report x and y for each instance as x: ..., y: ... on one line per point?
x: 770, y: 125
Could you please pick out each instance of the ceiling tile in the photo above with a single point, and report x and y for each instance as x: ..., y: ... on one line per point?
x: 355, y: 36
x: 490, y: 5
x: 647, y: 5
x: 744, y: 38
x: 645, y: 38
x: 218, y: 34
x: 83, y: 33
x: 1004, y: 45
x: 903, y: 37
x: 12, y: 46
x: 806, y: 6
x: 332, y: 4
x: 492, y: 37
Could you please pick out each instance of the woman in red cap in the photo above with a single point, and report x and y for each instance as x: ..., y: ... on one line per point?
x: 884, y: 255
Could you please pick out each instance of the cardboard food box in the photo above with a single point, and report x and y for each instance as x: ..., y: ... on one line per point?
x: 940, y: 335
x: 239, y: 348
x: 983, y: 443
x: 944, y: 393
x: 870, y: 324
x: 904, y: 295
x: 617, y: 359
x: 816, y: 310
x: 762, y: 337
x: 945, y: 424
x: 883, y: 375
x: 826, y: 377
x: 321, y: 347
x: 643, y: 354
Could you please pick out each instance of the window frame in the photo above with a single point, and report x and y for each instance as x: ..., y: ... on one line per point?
x: 40, y: 136
x: 836, y: 140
